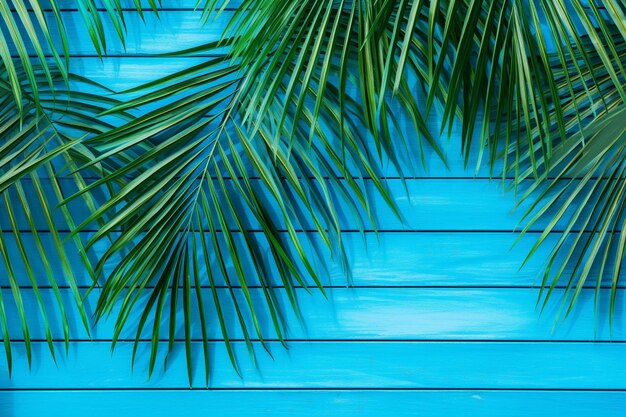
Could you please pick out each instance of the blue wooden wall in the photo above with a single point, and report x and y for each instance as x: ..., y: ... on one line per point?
x: 440, y: 321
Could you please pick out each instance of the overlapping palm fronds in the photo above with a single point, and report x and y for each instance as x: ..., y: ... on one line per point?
x: 584, y: 203
x: 581, y: 197
x: 540, y: 86
x: 332, y: 50
x: 512, y: 71
x: 33, y: 39
x: 210, y: 201
x: 41, y: 126
x: 521, y: 76
x: 509, y: 70
x: 39, y: 152
x: 277, y: 143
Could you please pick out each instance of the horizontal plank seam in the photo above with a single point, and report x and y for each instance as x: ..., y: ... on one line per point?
x: 364, y: 341
x: 313, y: 288
x: 343, y: 178
x: 134, y: 10
x: 322, y: 389
x: 311, y: 231
x: 331, y: 340
x: 124, y: 55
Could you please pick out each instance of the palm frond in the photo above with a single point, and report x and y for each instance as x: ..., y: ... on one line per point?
x: 584, y: 202
x: 491, y: 64
x: 331, y: 47
x: 576, y: 190
x: 527, y: 79
x: 39, y: 141
x: 500, y: 67
x: 201, y: 200
x: 33, y: 38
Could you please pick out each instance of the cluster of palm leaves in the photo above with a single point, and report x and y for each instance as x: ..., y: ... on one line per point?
x: 208, y: 190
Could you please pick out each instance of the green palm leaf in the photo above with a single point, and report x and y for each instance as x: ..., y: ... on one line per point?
x: 199, y: 199
x: 318, y: 49
x: 576, y: 190
x: 584, y: 202
x: 33, y: 39
x: 526, y: 79
x: 39, y: 141
x: 490, y: 64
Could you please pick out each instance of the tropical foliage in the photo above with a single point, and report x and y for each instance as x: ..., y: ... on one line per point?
x: 278, y: 138
x: 40, y: 140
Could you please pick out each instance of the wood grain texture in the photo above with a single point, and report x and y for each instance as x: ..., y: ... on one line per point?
x: 364, y: 403
x: 389, y: 259
x: 477, y: 205
x: 372, y: 314
x: 354, y: 365
x: 170, y: 31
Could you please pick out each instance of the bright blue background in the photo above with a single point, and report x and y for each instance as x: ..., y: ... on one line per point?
x: 440, y: 321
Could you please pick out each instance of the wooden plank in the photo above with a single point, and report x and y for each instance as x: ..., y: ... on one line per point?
x: 163, y: 5
x: 129, y: 5
x: 366, y: 314
x: 121, y: 74
x: 196, y: 403
x: 425, y: 204
x: 170, y: 31
x: 389, y: 259
x: 401, y: 365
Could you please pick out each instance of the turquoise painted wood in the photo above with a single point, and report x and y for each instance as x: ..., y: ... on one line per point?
x: 170, y: 31
x: 382, y: 314
x: 474, y: 205
x: 440, y: 320
x: 342, y: 364
x: 306, y: 403
x: 396, y: 259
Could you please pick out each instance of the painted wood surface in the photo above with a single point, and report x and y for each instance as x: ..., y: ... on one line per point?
x: 169, y: 32
x: 477, y: 205
x: 331, y: 364
x: 379, y: 314
x: 441, y: 320
x: 387, y: 259
x: 322, y: 403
